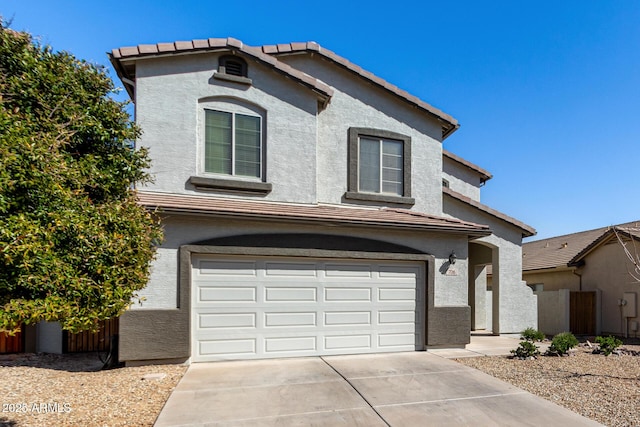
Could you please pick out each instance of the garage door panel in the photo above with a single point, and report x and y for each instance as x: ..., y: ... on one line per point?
x: 397, y: 317
x: 226, y: 268
x: 290, y: 319
x: 335, y: 294
x: 337, y: 271
x: 290, y: 344
x: 398, y: 272
x: 397, y: 294
x: 347, y: 318
x: 286, y: 307
x: 344, y: 342
x: 396, y: 340
x: 216, y: 347
x: 290, y: 269
x: 226, y: 320
x: 290, y: 294
x: 225, y: 294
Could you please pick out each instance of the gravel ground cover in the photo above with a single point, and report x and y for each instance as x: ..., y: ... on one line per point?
x: 605, y: 389
x: 71, y: 390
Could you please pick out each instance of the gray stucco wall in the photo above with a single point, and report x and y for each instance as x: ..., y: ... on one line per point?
x: 448, y: 318
x: 461, y: 179
x: 170, y: 96
x: 306, y: 162
x: 356, y: 103
x: 513, y: 303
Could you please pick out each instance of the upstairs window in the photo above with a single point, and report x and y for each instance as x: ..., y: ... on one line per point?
x: 379, y: 166
x: 233, y: 144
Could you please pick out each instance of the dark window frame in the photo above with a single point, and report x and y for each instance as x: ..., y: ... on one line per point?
x: 353, y: 191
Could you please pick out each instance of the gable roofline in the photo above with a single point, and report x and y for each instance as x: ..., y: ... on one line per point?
x: 121, y: 56
x: 388, y: 218
x: 484, y: 174
x: 604, y: 238
x: 449, y: 124
x: 569, y: 250
x: 527, y: 231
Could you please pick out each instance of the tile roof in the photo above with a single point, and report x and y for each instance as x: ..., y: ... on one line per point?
x: 267, y: 54
x: 359, y: 216
x: 449, y: 124
x: 562, y: 251
x: 484, y: 174
x: 117, y: 56
x: 527, y: 230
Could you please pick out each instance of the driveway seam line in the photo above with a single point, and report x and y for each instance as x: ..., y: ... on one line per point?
x: 260, y: 386
x: 412, y: 374
x: 356, y: 390
x: 454, y: 399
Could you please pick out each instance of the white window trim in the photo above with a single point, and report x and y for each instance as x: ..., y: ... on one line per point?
x: 380, y: 141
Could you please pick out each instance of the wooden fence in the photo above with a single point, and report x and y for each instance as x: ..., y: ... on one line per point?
x: 11, y: 344
x: 582, y: 313
x: 87, y: 341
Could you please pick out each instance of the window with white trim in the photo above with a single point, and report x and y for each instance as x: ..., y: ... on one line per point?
x: 380, y: 163
x: 379, y: 166
x: 233, y: 144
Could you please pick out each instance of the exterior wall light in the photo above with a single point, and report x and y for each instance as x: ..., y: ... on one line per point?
x: 452, y: 258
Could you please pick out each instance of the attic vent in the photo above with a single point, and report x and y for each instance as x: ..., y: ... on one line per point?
x: 232, y: 65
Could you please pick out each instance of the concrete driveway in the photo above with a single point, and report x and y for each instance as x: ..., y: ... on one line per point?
x: 397, y: 389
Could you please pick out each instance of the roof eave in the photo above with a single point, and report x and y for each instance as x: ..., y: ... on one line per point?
x: 527, y: 231
x: 472, y: 232
x: 117, y: 58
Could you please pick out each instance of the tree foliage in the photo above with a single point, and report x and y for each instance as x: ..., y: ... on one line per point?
x: 75, y: 247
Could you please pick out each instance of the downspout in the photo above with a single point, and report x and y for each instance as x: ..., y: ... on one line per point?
x: 575, y: 271
x: 580, y: 280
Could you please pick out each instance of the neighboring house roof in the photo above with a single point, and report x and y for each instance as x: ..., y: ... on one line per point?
x: 360, y: 216
x: 568, y: 250
x: 120, y: 58
x: 484, y: 174
x: 527, y: 231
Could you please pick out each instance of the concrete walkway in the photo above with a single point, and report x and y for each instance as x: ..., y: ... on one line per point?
x: 396, y: 389
x: 483, y: 344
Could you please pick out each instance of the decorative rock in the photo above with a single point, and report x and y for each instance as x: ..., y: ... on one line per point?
x: 149, y: 377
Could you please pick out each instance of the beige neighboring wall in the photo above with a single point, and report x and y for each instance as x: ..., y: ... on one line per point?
x: 553, y: 280
x: 607, y: 268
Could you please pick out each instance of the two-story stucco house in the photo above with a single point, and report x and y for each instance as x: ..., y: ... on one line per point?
x: 309, y: 209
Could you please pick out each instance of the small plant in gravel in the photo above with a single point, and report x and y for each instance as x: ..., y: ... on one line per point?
x: 526, y: 350
x: 607, y: 344
x: 562, y: 343
x: 531, y: 334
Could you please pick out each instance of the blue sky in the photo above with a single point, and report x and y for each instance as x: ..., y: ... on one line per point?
x: 547, y: 92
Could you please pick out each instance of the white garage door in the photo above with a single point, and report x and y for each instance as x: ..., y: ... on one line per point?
x: 253, y: 308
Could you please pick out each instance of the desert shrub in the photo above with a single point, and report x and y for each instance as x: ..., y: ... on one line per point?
x: 562, y: 343
x: 526, y: 350
x: 608, y: 344
x: 531, y: 334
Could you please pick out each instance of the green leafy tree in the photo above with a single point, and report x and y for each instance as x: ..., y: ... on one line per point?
x: 75, y: 247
